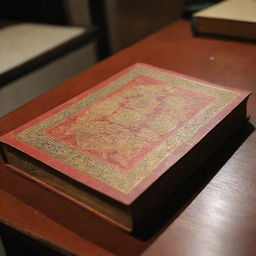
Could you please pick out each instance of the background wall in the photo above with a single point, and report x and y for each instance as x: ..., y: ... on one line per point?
x: 131, y: 20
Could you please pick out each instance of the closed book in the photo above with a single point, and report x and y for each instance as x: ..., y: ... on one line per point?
x: 122, y: 147
x: 230, y: 18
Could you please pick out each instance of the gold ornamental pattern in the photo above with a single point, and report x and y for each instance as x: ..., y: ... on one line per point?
x: 123, y: 127
x: 121, y: 132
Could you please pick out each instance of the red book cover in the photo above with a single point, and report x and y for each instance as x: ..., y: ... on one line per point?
x: 120, y: 136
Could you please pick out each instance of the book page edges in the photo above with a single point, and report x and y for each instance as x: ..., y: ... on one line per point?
x: 109, y: 210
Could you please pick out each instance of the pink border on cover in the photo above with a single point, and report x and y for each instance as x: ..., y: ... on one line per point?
x: 153, y: 175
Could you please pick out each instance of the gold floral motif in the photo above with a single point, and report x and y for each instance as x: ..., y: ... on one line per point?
x: 121, y: 132
x: 170, y: 117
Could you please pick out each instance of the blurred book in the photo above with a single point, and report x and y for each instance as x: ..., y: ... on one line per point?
x: 231, y: 18
x: 192, y: 6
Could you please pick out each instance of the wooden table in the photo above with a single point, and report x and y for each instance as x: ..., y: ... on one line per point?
x: 213, y: 215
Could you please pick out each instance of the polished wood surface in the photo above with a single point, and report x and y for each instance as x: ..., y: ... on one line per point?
x: 214, y: 214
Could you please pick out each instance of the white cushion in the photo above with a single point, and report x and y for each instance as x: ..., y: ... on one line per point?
x: 22, y: 42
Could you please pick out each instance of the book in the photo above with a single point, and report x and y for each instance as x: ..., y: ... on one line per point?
x: 122, y: 147
x: 230, y: 18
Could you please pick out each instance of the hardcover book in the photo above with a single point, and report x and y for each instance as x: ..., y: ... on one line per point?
x: 231, y: 18
x: 120, y: 148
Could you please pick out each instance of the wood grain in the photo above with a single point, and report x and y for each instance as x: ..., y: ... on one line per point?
x: 217, y: 216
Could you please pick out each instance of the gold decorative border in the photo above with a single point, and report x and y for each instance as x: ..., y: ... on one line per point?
x: 112, y: 176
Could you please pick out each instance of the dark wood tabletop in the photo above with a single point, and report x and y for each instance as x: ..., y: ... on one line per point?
x: 213, y: 214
